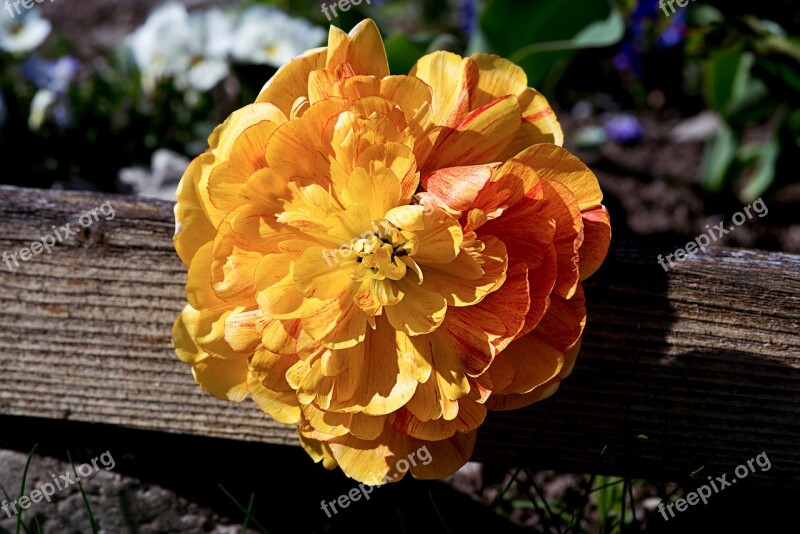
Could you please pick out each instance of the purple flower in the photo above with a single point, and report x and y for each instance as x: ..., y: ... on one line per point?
x: 648, y: 25
x: 624, y: 128
x: 55, y: 76
x: 469, y: 14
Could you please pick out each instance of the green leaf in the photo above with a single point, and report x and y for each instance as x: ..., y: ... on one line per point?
x: 537, y: 35
x: 728, y: 84
x: 719, y: 154
x: 762, y: 159
x: 404, y: 52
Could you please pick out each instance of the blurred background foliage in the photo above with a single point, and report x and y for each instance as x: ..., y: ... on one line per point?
x: 87, y: 118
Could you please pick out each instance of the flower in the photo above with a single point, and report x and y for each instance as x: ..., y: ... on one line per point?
x: 53, y: 79
x: 161, y: 180
x: 211, y: 37
x: 159, y: 46
x: 190, y: 49
x: 650, y: 22
x: 624, y: 128
x: 381, y: 259
x: 24, y: 32
x: 268, y: 36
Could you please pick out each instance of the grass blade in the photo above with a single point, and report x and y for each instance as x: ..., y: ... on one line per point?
x: 247, y: 511
x: 92, y: 522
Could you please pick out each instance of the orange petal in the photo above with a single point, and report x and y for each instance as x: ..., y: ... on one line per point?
x: 243, y: 329
x: 534, y: 363
x: 562, y: 325
x: 559, y: 204
x: 336, y: 323
x: 318, y: 450
x: 597, y: 238
x: 458, y: 187
x: 442, y: 458
x: 480, y: 138
x: 515, y: 401
x: 501, y: 316
x: 552, y: 162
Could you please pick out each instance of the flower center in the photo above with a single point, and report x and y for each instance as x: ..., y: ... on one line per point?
x: 379, y: 254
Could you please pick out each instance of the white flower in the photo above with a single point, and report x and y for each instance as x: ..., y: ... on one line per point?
x: 159, y: 46
x: 41, y: 104
x: 191, y: 49
x: 24, y: 32
x: 210, y: 38
x: 267, y: 36
x: 161, y: 181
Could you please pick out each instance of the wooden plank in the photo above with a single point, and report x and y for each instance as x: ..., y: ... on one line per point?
x: 704, y: 360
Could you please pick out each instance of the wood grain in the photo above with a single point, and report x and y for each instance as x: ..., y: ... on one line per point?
x: 696, y: 367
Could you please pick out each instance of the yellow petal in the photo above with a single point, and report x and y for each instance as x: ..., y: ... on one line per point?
x: 278, y: 295
x: 362, y: 49
x: 420, y: 312
x: 440, y: 240
x: 283, y: 407
x: 225, y: 379
x: 471, y: 415
x: 337, y: 323
x: 319, y: 451
x: 452, y: 80
x: 374, y: 379
x: 456, y: 282
x: 193, y: 229
x: 291, y: 80
x: 498, y: 77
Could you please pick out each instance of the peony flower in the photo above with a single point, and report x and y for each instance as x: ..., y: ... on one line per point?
x: 379, y: 259
x: 23, y: 33
x: 267, y: 36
